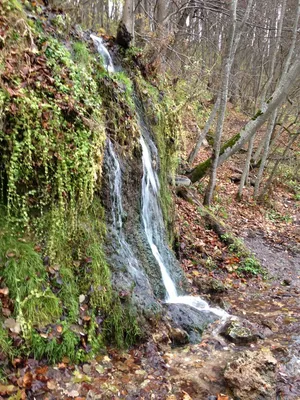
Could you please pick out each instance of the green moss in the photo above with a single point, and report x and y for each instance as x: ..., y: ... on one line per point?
x: 40, y: 308
x: 12, y: 5
x: 20, y: 263
x: 53, y: 151
x: 6, y: 345
x: 54, y: 349
x: 52, y: 144
x: 258, y: 114
x: 81, y: 53
x: 201, y: 169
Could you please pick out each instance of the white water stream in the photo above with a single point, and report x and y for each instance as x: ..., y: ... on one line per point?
x: 153, y: 225
x: 117, y: 211
x: 102, y: 50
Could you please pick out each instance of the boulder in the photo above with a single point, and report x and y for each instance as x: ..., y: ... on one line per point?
x: 178, y: 336
x: 189, y: 320
x: 252, y: 375
x: 181, y: 180
x: 240, y: 331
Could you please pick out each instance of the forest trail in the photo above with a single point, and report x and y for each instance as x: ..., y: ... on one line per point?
x: 273, y: 305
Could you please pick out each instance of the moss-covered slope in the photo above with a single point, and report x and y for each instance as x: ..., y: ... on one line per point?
x: 56, y: 291
x: 57, y: 105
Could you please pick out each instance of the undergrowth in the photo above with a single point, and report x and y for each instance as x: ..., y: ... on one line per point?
x: 56, y: 107
x: 248, y: 264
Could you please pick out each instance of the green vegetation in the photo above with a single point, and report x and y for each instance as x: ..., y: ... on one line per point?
x: 276, y: 216
x: 52, y: 231
x: 248, y: 264
x: 81, y: 53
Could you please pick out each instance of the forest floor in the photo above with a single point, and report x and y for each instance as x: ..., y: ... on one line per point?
x: 156, y: 370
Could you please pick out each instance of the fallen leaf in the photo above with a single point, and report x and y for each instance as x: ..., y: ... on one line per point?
x: 222, y: 397
x: 4, y: 291
x: 100, y: 369
x: 79, y: 377
x: 51, y: 385
x: 27, y: 380
x: 59, y: 329
x: 81, y: 298
x: 73, y: 393
x: 12, y: 325
x: 7, y: 389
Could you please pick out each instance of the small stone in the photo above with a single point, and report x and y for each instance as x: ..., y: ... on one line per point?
x: 209, y: 285
x: 12, y: 325
x: 286, y: 282
x: 178, y: 336
x: 86, y: 369
x: 81, y: 298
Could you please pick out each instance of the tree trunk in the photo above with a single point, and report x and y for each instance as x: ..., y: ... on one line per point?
x: 268, y: 184
x: 127, y: 16
x: 237, y: 142
x: 223, y: 102
x: 245, y: 173
x: 269, y: 132
x: 202, y: 135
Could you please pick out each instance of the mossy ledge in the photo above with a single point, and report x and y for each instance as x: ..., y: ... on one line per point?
x: 56, y: 292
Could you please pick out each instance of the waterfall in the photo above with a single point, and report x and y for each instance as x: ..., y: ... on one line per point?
x: 154, y: 228
x: 117, y: 211
x: 152, y: 218
x: 102, y: 50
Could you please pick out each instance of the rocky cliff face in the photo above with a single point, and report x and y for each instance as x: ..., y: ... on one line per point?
x: 76, y: 267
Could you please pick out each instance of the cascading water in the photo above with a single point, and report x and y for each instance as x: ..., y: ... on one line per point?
x: 152, y: 218
x: 102, y: 50
x: 117, y: 211
x: 154, y: 229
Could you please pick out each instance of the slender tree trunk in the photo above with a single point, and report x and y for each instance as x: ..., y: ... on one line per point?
x: 223, y: 101
x: 202, y: 135
x: 285, y: 70
x: 272, y: 174
x: 267, y: 140
x: 127, y: 16
x: 245, y: 173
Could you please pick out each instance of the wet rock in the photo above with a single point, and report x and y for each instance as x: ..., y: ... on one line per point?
x: 181, y: 180
x: 209, y: 285
x: 252, y: 376
x: 178, y: 336
x: 190, y: 320
x: 240, y: 332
